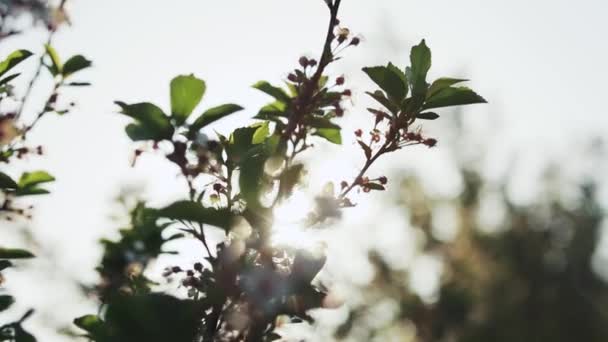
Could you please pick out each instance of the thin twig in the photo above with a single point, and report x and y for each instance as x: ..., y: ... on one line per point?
x: 308, y: 88
x: 40, y: 66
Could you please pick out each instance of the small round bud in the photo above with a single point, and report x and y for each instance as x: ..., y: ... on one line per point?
x: 383, y: 180
x: 343, y: 185
x: 218, y: 187
x: 198, y: 267
x: 303, y: 61
x: 355, y: 41
x: 359, y: 133
x: 340, y: 80
x: 292, y: 78
x: 347, y: 92
x: 176, y: 269
x: 190, y: 273
x: 430, y: 142
x: 312, y: 62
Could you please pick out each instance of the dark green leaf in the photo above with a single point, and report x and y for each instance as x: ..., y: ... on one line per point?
x: 321, y: 122
x: 23, y: 336
x: 273, y: 91
x: 330, y: 134
x: 186, y: 93
x: 212, y: 115
x: 32, y: 191
x: 139, y: 132
x: 6, y: 182
x: 6, y: 302
x: 152, y: 120
x: 91, y: 324
x: 390, y: 79
x: 379, y: 96
x: 12, y: 60
x: 420, y: 57
x: 442, y: 83
x: 273, y: 112
x: 75, y: 64
x: 453, y: 96
x: 13, y: 253
x: 8, y: 79
x: 427, y: 116
x: 4, y: 264
x: 195, y: 212
x: 152, y: 318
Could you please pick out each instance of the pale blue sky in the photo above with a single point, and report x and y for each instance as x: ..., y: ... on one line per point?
x: 541, y: 64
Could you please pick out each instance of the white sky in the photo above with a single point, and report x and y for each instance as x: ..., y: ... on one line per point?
x: 541, y: 64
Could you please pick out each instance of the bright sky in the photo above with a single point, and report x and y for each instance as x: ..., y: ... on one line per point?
x: 541, y: 64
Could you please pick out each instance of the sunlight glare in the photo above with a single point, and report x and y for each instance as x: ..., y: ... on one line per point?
x: 288, y: 229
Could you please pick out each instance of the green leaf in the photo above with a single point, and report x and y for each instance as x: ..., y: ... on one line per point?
x: 91, y: 324
x: 12, y: 60
x: 320, y: 122
x: 23, y: 336
x: 32, y: 191
x: 31, y: 179
x: 330, y: 134
x: 420, y: 57
x: 260, y: 133
x: 453, y: 96
x: 6, y: 182
x: 56, y: 65
x: 273, y: 112
x: 8, y: 79
x: 4, y: 264
x: 239, y: 143
x: 194, y: 211
x: 152, y: 121
x: 427, y: 116
x: 6, y: 302
x: 13, y: 253
x: 152, y: 318
x: 390, y: 79
x: 381, y: 98
x: 75, y: 64
x: 273, y: 91
x: 138, y: 132
x: 212, y: 115
x: 441, y: 83
x: 289, y: 179
x: 186, y: 93
x: 251, y: 178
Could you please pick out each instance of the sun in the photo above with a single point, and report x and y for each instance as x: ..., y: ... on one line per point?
x: 289, y: 229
